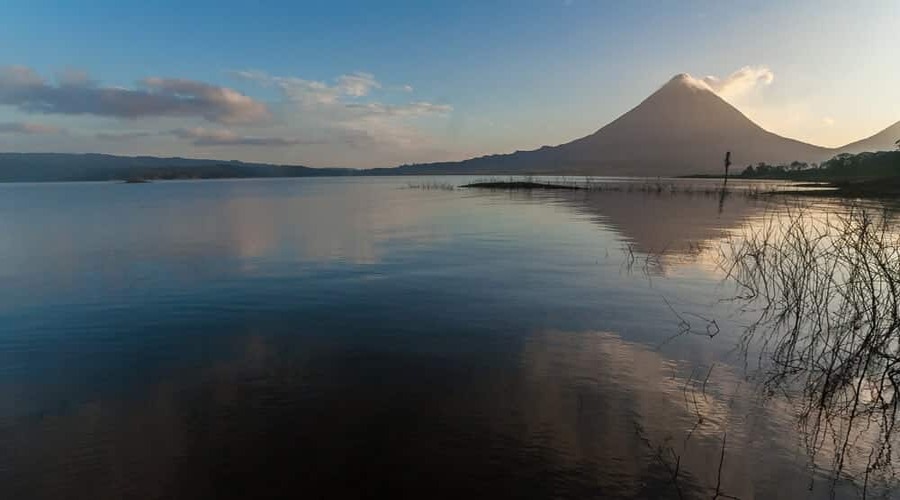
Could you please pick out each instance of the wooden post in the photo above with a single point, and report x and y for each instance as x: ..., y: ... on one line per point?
x: 727, y: 164
x: 725, y: 184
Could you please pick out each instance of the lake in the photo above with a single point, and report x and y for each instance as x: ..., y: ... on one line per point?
x: 356, y: 337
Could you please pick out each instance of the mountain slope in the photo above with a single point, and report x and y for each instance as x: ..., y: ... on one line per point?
x: 886, y: 140
x: 682, y: 128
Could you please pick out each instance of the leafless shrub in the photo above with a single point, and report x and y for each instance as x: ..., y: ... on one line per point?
x: 823, y: 292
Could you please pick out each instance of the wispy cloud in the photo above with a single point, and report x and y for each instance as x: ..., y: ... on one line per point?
x: 123, y: 136
x: 741, y: 81
x: 312, y: 91
x: 357, y: 84
x: 209, y: 137
x: 74, y: 77
x: 418, y: 108
x: 344, y: 93
x: 76, y: 94
x: 29, y: 128
x: 346, y: 109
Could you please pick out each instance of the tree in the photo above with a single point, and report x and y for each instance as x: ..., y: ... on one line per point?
x: 796, y: 166
x: 843, y: 160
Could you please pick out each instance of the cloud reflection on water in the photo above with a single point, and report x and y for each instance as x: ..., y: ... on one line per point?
x: 555, y: 414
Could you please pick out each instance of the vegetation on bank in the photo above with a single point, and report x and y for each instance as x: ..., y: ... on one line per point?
x: 853, y: 175
x: 860, y: 175
x: 843, y: 166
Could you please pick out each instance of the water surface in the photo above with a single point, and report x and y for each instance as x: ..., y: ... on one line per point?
x: 352, y: 337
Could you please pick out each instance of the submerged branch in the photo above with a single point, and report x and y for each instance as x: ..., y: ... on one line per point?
x: 825, y: 294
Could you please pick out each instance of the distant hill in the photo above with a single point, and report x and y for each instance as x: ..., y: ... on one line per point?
x: 682, y: 128
x: 886, y: 140
x: 43, y: 167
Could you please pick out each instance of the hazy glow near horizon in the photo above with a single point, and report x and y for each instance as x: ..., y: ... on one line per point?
x: 349, y: 85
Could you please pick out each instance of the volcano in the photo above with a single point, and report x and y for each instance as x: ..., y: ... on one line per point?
x: 682, y: 128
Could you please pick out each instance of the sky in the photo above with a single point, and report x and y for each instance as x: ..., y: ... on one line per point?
x: 365, y: 84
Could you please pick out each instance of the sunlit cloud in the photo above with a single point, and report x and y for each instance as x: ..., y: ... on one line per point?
x: 312, y: 91
x: 206, y: 137
x: 741, y: 81
x: 357, y: 84
x: 29, y: 128
x: 73, y: 77
x: 75, y: 94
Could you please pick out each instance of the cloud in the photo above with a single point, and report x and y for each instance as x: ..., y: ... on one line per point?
x: 741, y: 81
x: 344, y: 93
x: 206, y: 137
x: 123, y: 136
x: 200, y: 136
x: 418, y: 108
x: 313, y: 92
x: 76, y: 94
x: 74, y: 77
x: 19, y: 75
x: 346, y: 111
x: 29, y: 128
x: 828, y: 121
x: 377, y: 132
x: 357, y: 84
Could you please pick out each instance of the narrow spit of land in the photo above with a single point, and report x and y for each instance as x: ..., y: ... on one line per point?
x: 521, y: 185
x: 657, y: 187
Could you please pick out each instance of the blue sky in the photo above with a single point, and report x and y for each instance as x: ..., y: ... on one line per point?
x: 369, y: 84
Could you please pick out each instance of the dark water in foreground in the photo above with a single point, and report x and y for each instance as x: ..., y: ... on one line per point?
x: 327, y: 338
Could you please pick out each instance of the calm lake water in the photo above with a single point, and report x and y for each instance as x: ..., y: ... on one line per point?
x: 353, y: 337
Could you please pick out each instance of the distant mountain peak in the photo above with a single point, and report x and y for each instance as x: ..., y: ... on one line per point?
x: 685, y: 80
x: 681, y: 77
